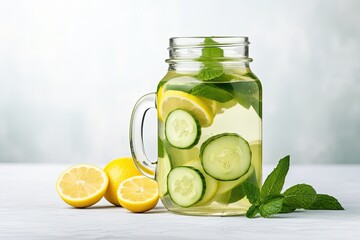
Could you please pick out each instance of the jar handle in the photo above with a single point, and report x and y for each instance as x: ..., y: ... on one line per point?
x: 140, y: 159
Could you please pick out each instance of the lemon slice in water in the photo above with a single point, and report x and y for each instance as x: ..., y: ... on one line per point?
x: 172, y: 99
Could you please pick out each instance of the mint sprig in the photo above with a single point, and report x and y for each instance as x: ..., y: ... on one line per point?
x: 210, y: 54
x: 269, y: 201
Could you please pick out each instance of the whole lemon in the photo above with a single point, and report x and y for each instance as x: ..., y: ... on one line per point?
x: 118, y: 170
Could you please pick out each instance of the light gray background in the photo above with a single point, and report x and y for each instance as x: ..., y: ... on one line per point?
x: 71, y: 71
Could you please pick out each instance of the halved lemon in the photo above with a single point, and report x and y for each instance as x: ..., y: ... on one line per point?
x: 117, y: 171
x: 82, y: 185
x: 138, y: 194
x: 172, y: 99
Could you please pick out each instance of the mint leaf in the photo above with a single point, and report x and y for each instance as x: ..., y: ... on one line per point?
x: 287, y: 209
x: 275, y: 181
x: 251, y: 189
x: 247, y: 94
x: 257, y: 105
x: 246, y: 87
x: 248, y: 188
x: 209, y: 56
x: 271, y: 205
x: 325, y: 202
x: 210, y: 71
x: 218, y: 92
x: 223, y: 78
x: 212, y: 91
x: 236, y: 194
x: 181, y: 87
x: 299, y: 196
x: 209, y: 51
x: 252, y: 211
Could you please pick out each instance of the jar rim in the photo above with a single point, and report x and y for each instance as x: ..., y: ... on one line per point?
x: 198, y: 41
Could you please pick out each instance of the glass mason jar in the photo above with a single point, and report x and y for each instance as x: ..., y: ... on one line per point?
x: 209, y: 107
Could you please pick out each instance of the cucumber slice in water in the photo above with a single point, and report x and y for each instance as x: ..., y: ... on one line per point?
x: 162, y: 170
x: 211, y: 183
x: 229, y: 192
x: 182, y: 130
x: 186, y: 186
x: 226, y: 156
x: 179, y: 157
x: 225, y: 186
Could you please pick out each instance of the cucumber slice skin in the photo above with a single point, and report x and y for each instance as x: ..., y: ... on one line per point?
x: 162, y: 170
x: 200, y: 193
x: 195, y: 123
x: 223, y: 177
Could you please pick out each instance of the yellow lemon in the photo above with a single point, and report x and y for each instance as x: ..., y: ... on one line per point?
x: 172, y: 99
x: 138, y: 194
x: 118, y: 170
x: 82, y: 185
x: 213, y: 105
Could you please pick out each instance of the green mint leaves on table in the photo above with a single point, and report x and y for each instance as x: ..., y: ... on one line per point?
x: 269, y: 200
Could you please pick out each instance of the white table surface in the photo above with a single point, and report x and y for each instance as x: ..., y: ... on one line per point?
x: 31, y: 209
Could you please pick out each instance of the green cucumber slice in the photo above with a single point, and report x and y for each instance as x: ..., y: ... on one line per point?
x: 226, y: 156
x: 229, y: 193
x: 239, y: 192
x: 211, y: 183
x: 179, y: 157
x: 182, y: 130
x: 162, y: 170
x: 186, y: 186
x: 225, y: 186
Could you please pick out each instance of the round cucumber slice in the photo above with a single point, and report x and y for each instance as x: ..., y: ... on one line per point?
x: 226, y: 156
x: 186, y: 186
x: 181, y: 156
x: 182, y: 130
x: 225, y: 186
x: 230, y: 193
x: 211, y: 183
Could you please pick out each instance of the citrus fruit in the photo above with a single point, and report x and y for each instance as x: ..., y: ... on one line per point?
x: 82, y: 185
x: 138, y: 194
x: 213, y: 105
x: 118, y: 170
x: 172, y: 99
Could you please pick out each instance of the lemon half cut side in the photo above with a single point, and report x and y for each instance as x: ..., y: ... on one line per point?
x: 138, y: 194
x: 82, y: 185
